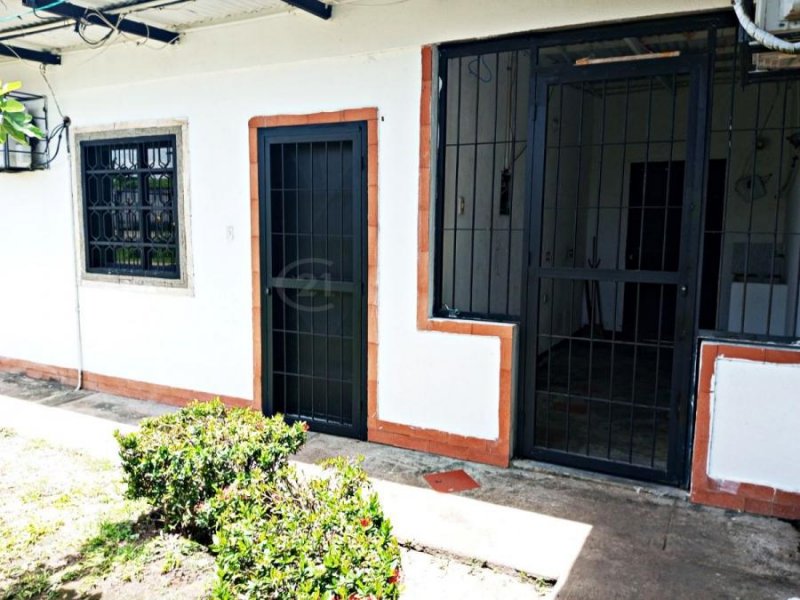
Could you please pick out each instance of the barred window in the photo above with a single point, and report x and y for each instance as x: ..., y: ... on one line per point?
x: 130, y: 205
x: 481, y: 188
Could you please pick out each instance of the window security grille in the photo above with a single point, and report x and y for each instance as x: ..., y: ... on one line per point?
x: 131, y: 206
x: 481, y: 188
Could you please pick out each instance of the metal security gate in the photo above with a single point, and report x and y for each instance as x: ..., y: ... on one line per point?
x: 614, y: 231
x: 313, y: 275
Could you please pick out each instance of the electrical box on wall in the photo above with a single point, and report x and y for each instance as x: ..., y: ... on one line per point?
x: 778, y: 16
x: 17, y: 157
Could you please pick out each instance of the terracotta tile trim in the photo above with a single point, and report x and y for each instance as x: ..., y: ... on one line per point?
x: 370, y: 115
x: 115, y: 385
x: 495, y: 452
x: 734, y: 495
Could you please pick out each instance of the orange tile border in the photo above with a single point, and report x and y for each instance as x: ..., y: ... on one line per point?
x: 115, y: 385
x: 733, y: 495
x: 370, y: 115
x: 494, y: 452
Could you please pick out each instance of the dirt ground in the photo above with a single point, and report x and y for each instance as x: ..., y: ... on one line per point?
x: 67, y: 532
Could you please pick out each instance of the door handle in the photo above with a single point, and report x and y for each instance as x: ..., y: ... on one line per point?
x: 684, y: 290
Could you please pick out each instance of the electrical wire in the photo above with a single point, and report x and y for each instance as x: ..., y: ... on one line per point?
x: 80, y: 29
x: 43, y: 73
x: 81, y: 24
x: 59, y: 131
x: 475, y: 66
x: 114, y: 28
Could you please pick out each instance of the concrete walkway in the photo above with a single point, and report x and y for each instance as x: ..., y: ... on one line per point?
x: 599, y: 538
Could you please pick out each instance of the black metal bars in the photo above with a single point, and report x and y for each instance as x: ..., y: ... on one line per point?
x: 480, y: 190
x: 130, y: 200
x: 751, y: 277
x: 313, y: 7
x: 313, y: 249
x: 40, y: 56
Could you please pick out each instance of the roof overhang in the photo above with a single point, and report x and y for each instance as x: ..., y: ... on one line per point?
x: 41, y: 30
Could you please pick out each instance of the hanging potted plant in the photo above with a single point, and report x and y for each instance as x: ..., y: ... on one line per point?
x: 16, y: 126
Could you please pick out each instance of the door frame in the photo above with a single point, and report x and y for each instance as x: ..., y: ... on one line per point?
x: 698, y: 66
x: 357, y: 132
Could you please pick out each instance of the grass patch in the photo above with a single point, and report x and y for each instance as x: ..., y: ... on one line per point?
x: 15, y: 542
x: 67, y: 532
x: 31, y: 584
x: 121, y: 543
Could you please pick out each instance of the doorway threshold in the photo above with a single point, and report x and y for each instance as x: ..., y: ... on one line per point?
x: 640, y: 487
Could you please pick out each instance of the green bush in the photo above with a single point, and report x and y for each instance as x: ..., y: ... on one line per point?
x: 180, y: 461
x: 320, y: 539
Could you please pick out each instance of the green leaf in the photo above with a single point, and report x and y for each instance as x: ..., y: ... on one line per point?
x: 9, y: 87
x: 34, y: 131
x: 10, y: 105
x: 15, y: 121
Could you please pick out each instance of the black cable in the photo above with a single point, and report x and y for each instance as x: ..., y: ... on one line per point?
x: 80, y: 27
x: 57, y: 131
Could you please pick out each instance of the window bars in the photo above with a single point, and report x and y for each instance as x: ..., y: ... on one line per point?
x: 749, y: 269
x: 751, y: 261
x: 130, y: 204
x: 481, y: 189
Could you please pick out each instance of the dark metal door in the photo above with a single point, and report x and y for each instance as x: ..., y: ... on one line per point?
x: 313, y: 274
x: 609, y: 319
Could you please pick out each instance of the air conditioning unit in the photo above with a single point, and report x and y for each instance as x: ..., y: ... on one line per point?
x: 778, y: 16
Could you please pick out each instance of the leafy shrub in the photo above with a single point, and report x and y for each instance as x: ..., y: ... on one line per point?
x: 319, y: 539
x: 180, y: 461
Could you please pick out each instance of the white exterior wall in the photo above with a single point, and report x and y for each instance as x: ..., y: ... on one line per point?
x: 216, y: 79
x: 754, y: 424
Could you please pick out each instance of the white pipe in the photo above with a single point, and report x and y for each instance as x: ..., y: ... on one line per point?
x: 766, y: 39
x: 76, y: 270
